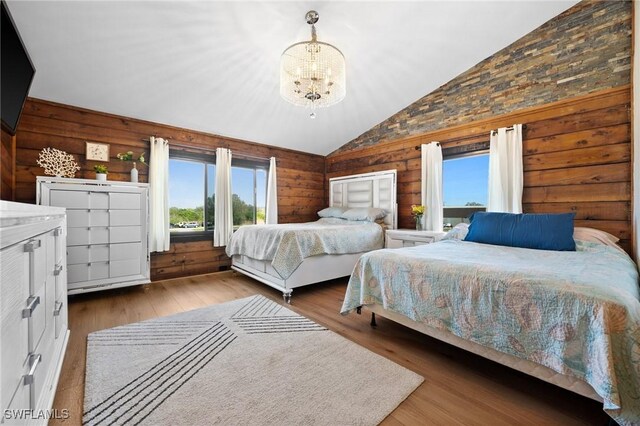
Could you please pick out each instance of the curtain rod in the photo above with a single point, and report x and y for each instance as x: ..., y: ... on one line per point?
x: 240, y: 156
x: 420, y: 146
x: 510, y: 128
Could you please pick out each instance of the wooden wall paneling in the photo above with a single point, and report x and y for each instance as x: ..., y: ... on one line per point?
x: 301, y: 176
x: 576, y: 155
x: 7, y: 166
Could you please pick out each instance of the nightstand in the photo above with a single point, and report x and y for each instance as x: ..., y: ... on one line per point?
x: 397, y: 238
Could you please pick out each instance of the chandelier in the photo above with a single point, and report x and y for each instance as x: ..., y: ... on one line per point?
x: 312, y: 73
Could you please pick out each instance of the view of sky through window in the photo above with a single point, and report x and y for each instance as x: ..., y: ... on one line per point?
x: 186, y: 183
x: 465, y: 180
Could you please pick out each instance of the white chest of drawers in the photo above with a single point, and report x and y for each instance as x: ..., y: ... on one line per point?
x: 33, y: 310
x: 107, y: 243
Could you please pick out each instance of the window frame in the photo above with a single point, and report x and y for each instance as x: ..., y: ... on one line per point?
x: 207, y: 159
x: 459, y: 211
x: 254, y: 166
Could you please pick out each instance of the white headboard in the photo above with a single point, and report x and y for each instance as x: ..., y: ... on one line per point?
x: 376, y: 189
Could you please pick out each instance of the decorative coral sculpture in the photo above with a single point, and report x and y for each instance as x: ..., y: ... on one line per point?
x: 57, y: 163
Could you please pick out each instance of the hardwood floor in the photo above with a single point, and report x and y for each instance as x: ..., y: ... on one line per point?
x: 459, y: 388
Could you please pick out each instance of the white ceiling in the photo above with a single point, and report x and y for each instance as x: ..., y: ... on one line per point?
x: 213, y: 66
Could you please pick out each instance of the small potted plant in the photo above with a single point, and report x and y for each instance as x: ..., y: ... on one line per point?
x: 129, y: 156
x: 101, y: 171
x: 417, y: 211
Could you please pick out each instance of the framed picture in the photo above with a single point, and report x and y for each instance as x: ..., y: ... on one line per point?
x: 97, y: 151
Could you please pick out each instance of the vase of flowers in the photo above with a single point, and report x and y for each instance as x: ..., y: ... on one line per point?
x: 417, y: 211
x: 129, y: 156
x: 101, y: 172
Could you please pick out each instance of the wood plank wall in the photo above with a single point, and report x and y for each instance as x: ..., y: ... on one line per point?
x: 577, y: 157
x: 7, y: 166
x: 47, y: 124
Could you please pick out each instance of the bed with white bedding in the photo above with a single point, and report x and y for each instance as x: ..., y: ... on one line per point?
x: 288, y: 256
x: 571, y: 318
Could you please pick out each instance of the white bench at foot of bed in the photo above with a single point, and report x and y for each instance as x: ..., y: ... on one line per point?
x: 312, y: 270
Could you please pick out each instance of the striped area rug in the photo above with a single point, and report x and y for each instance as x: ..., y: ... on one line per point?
x: 247, y: 362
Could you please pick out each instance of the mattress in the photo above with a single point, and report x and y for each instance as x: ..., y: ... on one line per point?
x: 286, y: 246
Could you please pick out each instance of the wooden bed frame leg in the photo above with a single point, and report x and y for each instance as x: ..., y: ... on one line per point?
x: 359, y: 310
x: 287, y: 298
x: 373, y: 319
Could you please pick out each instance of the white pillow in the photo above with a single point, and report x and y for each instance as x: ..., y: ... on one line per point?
x: 370, y: 214
x: 332, y: 212
x: 458, y: 232
x: 595, y: 236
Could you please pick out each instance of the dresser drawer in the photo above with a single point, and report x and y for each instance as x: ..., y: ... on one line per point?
x: 98, y: 217
x: 87, y: 272
x: 86, y: 236
x: 14, y: 291
x: 88, y: 217
x: 77, y: 218
x: 99, y: 201
x: 124, y: 217
x: 77, y: 236
x: 88, y: 253
x: 124, y: 201
x: 20, y: 398
x: 123, y: 268
x: 124, y: 234
x: 125, y: 251
x: 98, y: 270
x: 70, y: 199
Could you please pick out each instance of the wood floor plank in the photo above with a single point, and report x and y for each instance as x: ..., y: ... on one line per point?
x: 459, y: 389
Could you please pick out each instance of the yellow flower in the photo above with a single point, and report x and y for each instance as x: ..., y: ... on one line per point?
x: 417, y: 210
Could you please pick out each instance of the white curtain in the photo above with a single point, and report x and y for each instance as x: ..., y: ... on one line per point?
x: 223, y: 228
x: 432, y: 186
x: 159, y: 194
x: 271, y: 215
x: 505, y: 171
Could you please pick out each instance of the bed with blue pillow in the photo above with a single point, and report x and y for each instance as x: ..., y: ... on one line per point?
x: 522, y: 291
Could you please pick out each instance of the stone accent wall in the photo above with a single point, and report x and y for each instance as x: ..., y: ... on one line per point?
x: 583, y: 50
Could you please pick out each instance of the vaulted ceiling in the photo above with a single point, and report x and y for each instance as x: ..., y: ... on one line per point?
x: 214, y: 66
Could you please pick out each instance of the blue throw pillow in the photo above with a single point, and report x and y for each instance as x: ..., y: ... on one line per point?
x: 535, y: 231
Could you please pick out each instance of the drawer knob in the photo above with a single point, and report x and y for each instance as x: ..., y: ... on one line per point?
x: 57, y: 270
x: 34, y: 361
x: 57, y: 309
x: 31, y: 246
x: 32, y: 303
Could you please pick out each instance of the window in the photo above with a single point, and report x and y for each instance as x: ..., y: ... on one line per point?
x: 249, y: 187
x: 190, y: 179
x: 192, y: 183
x: 465, y: 184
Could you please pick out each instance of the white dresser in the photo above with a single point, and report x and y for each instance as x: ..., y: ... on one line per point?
x: 107, y: 245
x: 33, y: 309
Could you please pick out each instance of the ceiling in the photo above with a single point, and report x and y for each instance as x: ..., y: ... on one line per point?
x: 213, y: 66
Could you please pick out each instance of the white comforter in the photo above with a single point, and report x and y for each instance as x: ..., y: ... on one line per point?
x: 287, y: 245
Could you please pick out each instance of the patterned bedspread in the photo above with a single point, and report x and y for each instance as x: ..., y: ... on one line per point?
x: 577, y: 313
x: 287, y: 245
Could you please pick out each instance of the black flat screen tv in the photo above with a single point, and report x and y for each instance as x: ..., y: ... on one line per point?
x: 16, y: 70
